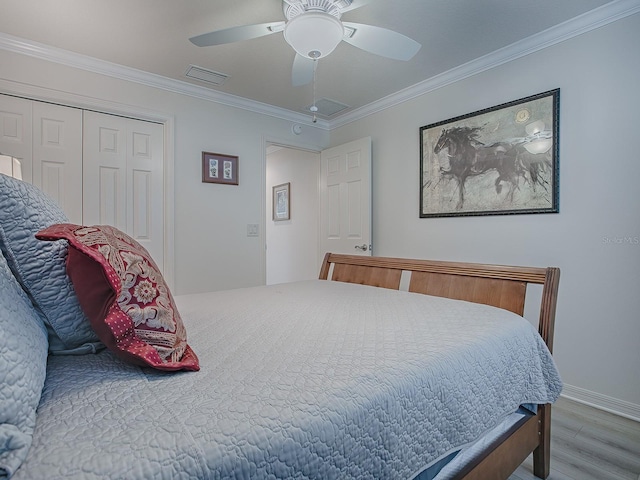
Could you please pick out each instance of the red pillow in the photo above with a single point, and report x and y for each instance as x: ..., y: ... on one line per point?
x: 123, y: 294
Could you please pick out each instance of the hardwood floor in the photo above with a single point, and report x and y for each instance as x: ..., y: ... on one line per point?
x: 589, y: 444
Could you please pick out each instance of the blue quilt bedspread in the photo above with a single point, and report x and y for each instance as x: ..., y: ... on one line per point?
x: 309, y: 380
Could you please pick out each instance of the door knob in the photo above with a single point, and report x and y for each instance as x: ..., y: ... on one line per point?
x: 362, y: 247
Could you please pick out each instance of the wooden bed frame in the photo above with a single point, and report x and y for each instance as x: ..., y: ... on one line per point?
x: 497, y: 285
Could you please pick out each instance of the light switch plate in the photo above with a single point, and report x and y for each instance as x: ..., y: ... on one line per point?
x: 253, y: 230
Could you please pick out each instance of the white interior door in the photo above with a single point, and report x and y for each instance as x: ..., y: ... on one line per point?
x: 105, y: 165
x: 345, y: 199
x: 47, y: 141
x: 57, y: 156
x: 16, y: 132
x: 145, y: 186
x: 123, y: 178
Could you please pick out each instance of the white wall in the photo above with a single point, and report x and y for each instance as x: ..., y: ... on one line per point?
x: 292, y: 244
x: 212, y: 250
x: 597, y: 343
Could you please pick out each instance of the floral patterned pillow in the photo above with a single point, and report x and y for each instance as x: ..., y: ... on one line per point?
x: 125, y: 297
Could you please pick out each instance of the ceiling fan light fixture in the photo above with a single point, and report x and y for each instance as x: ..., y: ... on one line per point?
x: 314, y: 34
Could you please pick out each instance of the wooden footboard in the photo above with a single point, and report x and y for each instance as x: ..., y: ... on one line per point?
x: 496, y: 285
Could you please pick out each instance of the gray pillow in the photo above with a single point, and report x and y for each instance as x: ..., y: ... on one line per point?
x: 40, y: 266
x: 23, y: 363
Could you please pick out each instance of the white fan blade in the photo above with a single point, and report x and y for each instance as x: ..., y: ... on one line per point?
x: 381, y: 41
x: 355, y: 4
x: 302, y: 71
x: 236, y: 34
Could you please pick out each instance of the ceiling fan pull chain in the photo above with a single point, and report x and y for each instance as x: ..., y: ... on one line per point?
x: 313, y: 107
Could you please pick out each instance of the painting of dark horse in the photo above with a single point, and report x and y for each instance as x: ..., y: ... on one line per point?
x: 500, y: 160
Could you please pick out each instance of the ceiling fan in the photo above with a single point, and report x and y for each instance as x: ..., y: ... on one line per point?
x: 314, y: 29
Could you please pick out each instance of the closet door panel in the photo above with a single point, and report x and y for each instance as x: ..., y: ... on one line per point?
x: 123, y: 178
x: 57, y: 156
x: 16, y: 132
x: 104, y: 170
x: 142, y: 207
x: 145, y: 186
x: 108, y: 203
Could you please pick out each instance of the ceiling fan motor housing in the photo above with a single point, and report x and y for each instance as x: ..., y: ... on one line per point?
x: 293, y: 8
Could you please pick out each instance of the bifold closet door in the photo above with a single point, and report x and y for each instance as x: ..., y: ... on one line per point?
x: 123, y: 178
x: 47, y: 141
x: 16, y: 132
x: 57, y: 156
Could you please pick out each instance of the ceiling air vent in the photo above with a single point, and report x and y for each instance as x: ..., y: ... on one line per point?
x: 204, y: 75
x: 327, y: 108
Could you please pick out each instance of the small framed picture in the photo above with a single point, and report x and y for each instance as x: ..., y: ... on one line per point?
x: 219, y: 168
x: 281, y: 202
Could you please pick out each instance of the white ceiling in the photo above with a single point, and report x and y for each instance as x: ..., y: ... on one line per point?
x: 153, y: 36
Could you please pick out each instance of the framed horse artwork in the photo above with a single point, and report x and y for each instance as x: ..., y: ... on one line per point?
x: 496, y: 161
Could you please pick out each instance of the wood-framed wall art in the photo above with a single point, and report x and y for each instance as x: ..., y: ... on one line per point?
x: 496, y: 161
x: 282, y: 202
x: 219, y: 168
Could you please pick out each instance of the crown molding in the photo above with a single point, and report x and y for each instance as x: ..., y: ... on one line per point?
x: 586, y: 22
x: 101, y: 67
x: 596, y: 18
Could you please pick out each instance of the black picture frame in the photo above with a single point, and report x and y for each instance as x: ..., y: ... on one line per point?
x: 497, y: 161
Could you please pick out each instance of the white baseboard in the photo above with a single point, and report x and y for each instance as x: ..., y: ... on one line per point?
x: 602, y: 402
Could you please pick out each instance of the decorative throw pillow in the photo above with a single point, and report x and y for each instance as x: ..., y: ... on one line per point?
x: 23, y: 364
x: 125, y: 297
x: 40, y: 267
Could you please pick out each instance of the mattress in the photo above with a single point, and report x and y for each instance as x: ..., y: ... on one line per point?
x: 309, y: 380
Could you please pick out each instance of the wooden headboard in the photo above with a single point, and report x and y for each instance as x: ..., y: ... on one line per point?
x: 496, y: 285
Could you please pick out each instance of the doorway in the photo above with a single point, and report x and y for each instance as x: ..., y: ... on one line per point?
x: 292, y: 244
